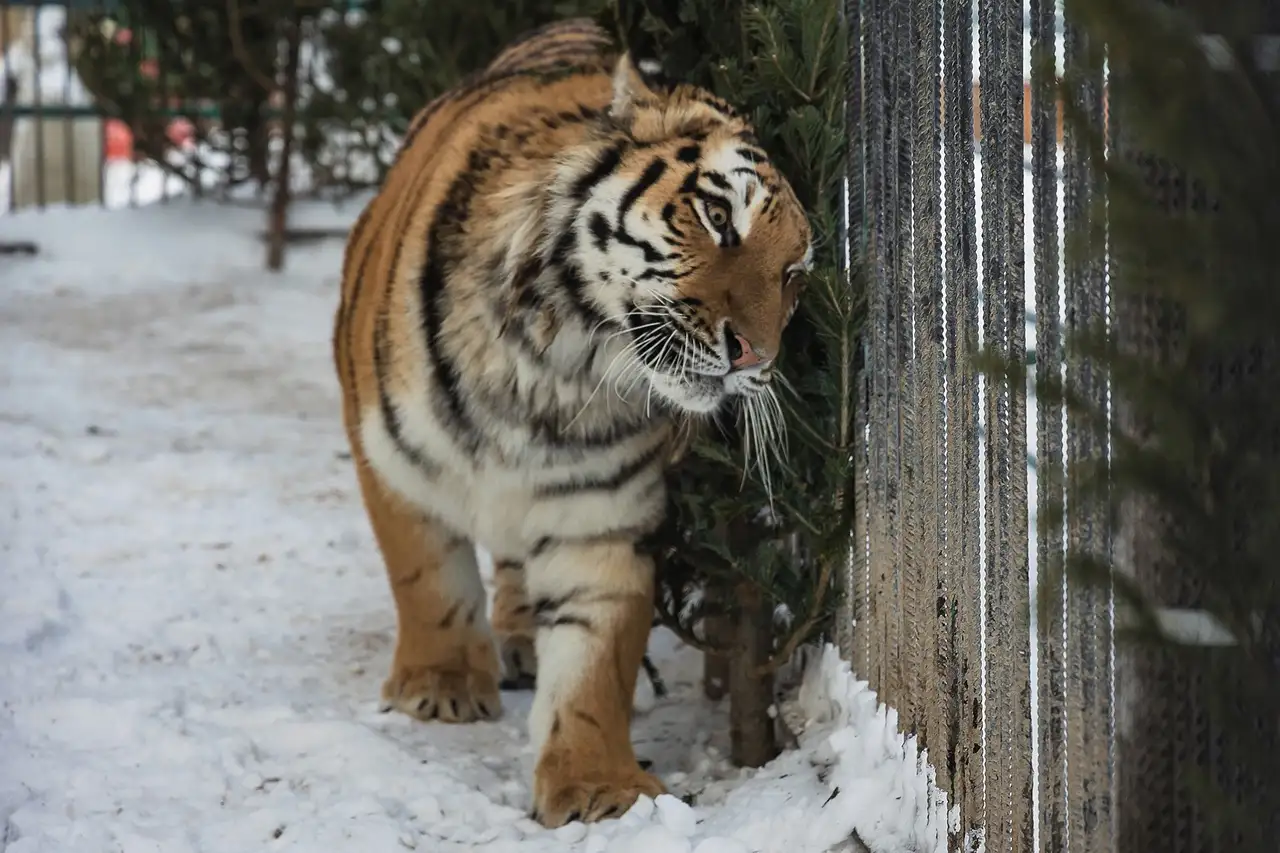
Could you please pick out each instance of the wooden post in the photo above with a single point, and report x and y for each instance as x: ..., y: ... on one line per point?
x: 718, y: 631
x: 751, y: 730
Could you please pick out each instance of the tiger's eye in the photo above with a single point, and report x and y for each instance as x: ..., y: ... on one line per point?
x: 718, y: 215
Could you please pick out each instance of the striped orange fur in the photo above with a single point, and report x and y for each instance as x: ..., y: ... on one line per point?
x: 565, y: 265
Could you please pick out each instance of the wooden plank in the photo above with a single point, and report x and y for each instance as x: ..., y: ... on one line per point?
x: 852, y: 641
x: 1088, y: 625
x: 961, y: 766
x: 1043, y: 110
x: 928, y: 654
x: 1009, y: 781
x: 879, y: 542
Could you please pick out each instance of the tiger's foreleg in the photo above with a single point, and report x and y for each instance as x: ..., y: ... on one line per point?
x: 445, y: 666
x: 593, y: 605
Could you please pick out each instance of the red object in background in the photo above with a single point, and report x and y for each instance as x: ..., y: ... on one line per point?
x: 119, y: 141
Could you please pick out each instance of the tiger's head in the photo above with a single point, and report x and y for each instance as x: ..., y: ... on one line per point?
x: 692, y: 245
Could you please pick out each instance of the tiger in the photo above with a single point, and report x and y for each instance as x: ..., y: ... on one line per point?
x: 570, y: 259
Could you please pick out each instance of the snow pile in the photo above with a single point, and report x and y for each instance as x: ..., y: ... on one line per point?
x: 195, y: 620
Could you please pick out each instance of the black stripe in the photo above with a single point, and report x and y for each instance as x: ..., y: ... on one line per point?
x: 719, y: 104
x: 547, y: 605
x: 559, y: 54
x: 450, y: 215
x: 573, y: 26
x: 712, y: 198
x: 570, y: 278
x: 567, y: 620
x: 651, y: 175
x: 610, y: 483
x: 390, y: 417
x: 524, y: 283
x: 547, y: 430
x: 574, y: 286
x: 606, y: 163
x: 634, y: 535
x: 659, y: 686
x: 718, y: 180
x: 478, y: 87
x: 689, y: 153
x: 524, y: 298
x: 656, y: 273
x: 669, y: 216
x: 600, y: 231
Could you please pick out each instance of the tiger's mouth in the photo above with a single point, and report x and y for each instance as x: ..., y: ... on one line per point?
x: 762, y: 426
x: 700, y: 385
x: 688, y: 373
x: 687, y: 376
x: 690, y: 393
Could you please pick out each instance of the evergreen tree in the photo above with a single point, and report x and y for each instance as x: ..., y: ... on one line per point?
x: 148, y: 62
x: 1188, y: 225
x: 378, y: 64
x: 759, y: 553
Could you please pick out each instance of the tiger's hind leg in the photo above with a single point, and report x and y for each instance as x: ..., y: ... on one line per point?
x: 445, y: 666
x: 513, y: 626
x: 593, y: 604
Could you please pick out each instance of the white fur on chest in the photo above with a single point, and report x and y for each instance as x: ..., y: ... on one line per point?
x: 499, y: 507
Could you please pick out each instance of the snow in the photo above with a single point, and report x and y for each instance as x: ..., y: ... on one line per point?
x: 195, y: 620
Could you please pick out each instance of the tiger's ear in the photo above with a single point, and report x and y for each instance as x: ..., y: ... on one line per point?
x: 630, y: 90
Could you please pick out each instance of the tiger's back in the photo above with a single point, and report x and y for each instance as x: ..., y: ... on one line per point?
x: 563, y: 264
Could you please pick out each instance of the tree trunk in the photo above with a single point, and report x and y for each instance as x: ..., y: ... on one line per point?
x: 718, y: 631
x: 751, y: 730
x: 278, y: 217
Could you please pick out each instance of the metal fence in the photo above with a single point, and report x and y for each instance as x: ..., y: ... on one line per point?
x: 961, y: 232
x: 955, y: 206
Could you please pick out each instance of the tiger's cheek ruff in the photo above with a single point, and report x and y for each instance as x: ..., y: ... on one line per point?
x: 627, y: 256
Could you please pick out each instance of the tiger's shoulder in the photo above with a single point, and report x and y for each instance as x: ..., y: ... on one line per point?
x: 468, y: 185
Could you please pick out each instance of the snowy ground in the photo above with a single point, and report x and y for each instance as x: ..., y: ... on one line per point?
x: 195, y: 622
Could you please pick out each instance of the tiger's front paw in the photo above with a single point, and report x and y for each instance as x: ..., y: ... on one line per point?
x: 592, y: 796
x: 448, y: 695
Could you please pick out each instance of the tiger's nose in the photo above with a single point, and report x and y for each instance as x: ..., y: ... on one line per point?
x: 741, y: 353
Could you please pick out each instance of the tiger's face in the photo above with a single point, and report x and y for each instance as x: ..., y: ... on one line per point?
x: 696, y: 243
